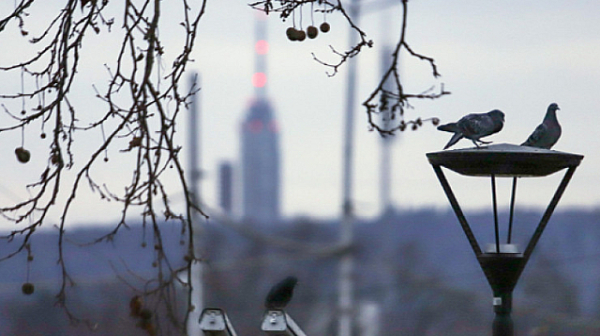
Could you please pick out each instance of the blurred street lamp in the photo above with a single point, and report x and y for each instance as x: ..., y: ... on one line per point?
x: 278, y: 323
x: 215, y: 322
x: 502, y: 264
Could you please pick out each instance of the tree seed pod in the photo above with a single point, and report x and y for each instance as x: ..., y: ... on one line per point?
x: 301, y: 35
x: 291, y: 34
x: 325, y: 27
x: 28, y: 288
x: 312, y: 32
x: 23, y: 155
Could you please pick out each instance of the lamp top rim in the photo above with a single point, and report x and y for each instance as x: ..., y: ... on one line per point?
x: 504, y: 160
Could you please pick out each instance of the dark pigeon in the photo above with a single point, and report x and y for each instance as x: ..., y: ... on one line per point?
x: 281, y: 294
x: 474, y: 126
x: 547, y: 133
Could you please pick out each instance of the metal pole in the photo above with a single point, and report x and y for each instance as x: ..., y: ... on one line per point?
x: 495, y: 205
x: 194, y: 178
x: 546, y: 217
x: 459, y: 214
x: 347, y: 262
x: 503, y: 324
x: 386, y: 117
x: 512, y: 209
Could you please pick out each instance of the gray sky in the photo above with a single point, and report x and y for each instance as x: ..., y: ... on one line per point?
x: 512, y: 55
x: 508, y: 55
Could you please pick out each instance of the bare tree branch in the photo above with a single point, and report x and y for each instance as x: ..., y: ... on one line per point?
x: 388, y: 99
x: 141, y: 104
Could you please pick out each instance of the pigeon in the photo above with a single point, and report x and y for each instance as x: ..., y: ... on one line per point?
x: 547, y: 133
x: 474, y: 126
x: 281, y: 294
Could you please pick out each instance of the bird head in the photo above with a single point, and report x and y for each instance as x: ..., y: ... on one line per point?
x: 553, y: 107
x: 291, y: 281
x: 497, y: 115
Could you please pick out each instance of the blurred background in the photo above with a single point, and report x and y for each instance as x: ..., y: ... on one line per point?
x: 270, y: 133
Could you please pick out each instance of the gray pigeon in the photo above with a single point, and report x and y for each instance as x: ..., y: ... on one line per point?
x: 547, y: 133
x: 281, y: 294
x: 474, y: 126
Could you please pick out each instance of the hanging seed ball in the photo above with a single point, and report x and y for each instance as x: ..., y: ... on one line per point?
x: 27, y: 288
x: 43, y: 135
x: 105, y: 159
x: 325, y: 27
x: 312, y: 32
x: 291, y: 34
x: 297, y: 35
x: 301, y: 35
x: 23, y: 155
x: 30, y: 258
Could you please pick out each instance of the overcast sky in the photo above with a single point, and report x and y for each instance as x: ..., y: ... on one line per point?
x: 508, y: 55
x: 511, y: 55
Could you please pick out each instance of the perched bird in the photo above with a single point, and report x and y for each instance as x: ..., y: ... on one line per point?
x: 547, y: 133
x: 474, y: 126
x: 281, y: 294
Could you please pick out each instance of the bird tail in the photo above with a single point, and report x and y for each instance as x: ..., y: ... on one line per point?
x: 455, y: 138
x: 451, y: 127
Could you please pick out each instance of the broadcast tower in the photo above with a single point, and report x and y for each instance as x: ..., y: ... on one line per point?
x: 260, y: 143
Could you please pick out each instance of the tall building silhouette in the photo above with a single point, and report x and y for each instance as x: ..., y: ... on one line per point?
x: 260, y: 144
x: 225, y: 190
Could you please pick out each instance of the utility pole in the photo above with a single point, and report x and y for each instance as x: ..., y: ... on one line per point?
x: 193, y: 176
x: 347, y: 224
x: 385, y: 174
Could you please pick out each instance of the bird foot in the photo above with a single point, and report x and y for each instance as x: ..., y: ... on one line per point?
x: 479, y: 143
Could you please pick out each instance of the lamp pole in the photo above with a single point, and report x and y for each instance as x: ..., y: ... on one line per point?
x: 194, y: 181
x: 503, y: 264
x: 347, y: 224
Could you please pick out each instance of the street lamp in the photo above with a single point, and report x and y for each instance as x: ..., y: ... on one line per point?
x: 215, y: 322
x: 278, y: 323
x: 503, y: 263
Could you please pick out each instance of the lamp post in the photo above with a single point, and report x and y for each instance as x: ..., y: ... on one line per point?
x: 503, y: 263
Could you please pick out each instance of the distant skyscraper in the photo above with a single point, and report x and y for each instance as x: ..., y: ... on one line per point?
x: 260, y: 145
x: 226, y: 187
